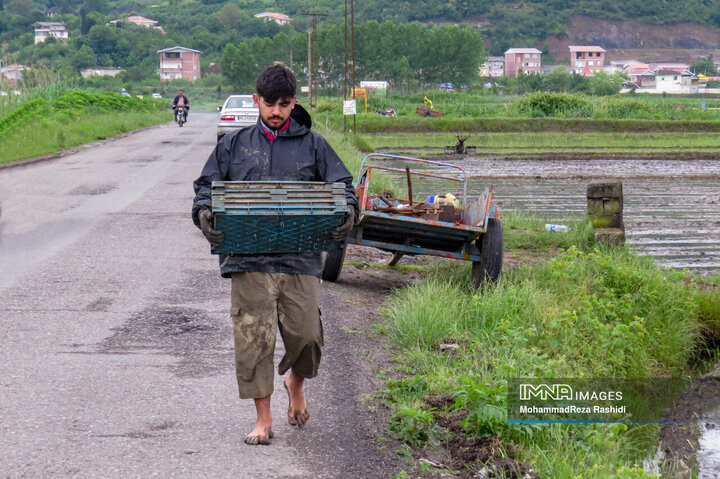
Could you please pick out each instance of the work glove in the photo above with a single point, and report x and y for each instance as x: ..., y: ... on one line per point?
x: 342, y: 232
x: 205, y: 218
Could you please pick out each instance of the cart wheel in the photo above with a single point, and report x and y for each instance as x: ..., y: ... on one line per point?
x: 491, y: 253
x: 333, y: 264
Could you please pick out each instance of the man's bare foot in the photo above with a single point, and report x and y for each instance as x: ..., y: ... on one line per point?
x: 259, y: 436
x: 263, y: 426
x: 298, y: 414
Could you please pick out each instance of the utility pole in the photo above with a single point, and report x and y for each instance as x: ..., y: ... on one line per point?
x: 352, y: 59
x: 345, y: 65
x: 312, y: 38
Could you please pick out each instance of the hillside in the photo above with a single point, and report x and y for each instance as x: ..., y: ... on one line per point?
x: 631, y: 39
x: 649, y: 30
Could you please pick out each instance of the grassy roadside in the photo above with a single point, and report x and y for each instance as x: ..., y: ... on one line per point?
x: 52, y: 135
x: 39, y: 126
x: 590, y: 311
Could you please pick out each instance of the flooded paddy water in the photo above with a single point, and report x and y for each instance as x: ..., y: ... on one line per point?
x: 671, y: 207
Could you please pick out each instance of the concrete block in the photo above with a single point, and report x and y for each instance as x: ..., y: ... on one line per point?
x: 607, y: 221
x: 604, y: 190
x: 612, y: 205
x: 595, y: 206
x: 614, y: 236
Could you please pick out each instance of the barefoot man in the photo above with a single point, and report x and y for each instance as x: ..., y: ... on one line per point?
x: 273, y: 290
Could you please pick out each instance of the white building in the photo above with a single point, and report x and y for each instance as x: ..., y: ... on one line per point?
x: 673, y: 81
x: 493, y: 67
x: 101, y: 71
x: 278, y: 18
x: 43, y: 30
x: 142, y: 21
x: 12, y: 73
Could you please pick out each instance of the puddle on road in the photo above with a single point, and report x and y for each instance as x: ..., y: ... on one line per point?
x: 672, y: 208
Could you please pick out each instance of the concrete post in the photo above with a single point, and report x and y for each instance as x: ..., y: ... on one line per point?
x: 605, y: 209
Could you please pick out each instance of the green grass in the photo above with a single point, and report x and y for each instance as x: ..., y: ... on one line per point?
x: 492, y: 113
x: 625, y: 144
x: 549, y: 140
x: 53, y: 134
x: 595, y: 312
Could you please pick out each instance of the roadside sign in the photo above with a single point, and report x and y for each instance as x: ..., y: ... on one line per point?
x: 349, y: 107
x: 375, y: 87
x: 360, y: 93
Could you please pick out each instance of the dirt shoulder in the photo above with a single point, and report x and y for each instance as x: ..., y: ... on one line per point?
x: 347, y: 436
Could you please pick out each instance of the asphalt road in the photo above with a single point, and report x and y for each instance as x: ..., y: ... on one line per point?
x: 116, y: 351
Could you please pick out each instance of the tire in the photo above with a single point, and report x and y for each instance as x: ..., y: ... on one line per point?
x: 333, y: 264
x: 488, y: 269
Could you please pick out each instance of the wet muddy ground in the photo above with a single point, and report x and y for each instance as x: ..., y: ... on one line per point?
x: 672, y: 207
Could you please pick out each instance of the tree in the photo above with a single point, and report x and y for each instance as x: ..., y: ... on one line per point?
x: 84, y: 57
x: 238, y: 66
x: 230, y: 15
x: 706, y: 67
x: 558, y: 80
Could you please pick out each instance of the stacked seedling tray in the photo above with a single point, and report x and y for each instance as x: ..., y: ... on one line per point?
x: 277, y: 216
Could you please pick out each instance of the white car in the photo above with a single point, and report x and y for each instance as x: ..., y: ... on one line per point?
x: 156, y: 95
x: 238, y: 112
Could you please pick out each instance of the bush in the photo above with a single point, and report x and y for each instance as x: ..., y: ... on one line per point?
x: 28, y: 111
x: 554, y: 104
x: 627, y: 107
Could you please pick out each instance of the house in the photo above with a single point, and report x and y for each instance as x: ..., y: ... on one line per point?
x: 278, y: 18
x: 12, y: 73
x: 101, y: 71
x: 673, y: 81
x: 54, y: 11
x: 142, y: 21
x: 624, y: 66
x: 590, y: 57
x: 43, y: 30
x: 678, y: 67
x: 493, y: 67
x: 527, y: 60
x: 642, y: 77
x: 179, y: 62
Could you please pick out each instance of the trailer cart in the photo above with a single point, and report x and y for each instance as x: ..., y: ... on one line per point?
x: 449, y: 226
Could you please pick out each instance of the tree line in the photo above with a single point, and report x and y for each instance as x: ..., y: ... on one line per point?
x: 209, y: 25
x: 407, y: 55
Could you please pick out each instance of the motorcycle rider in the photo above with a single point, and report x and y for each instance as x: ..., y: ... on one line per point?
x: 181, y: 100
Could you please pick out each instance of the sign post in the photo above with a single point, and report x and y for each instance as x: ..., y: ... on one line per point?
x: 360, y: 92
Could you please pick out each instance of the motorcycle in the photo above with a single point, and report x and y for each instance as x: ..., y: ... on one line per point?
x: 388, y: 112
x: 180, y: 115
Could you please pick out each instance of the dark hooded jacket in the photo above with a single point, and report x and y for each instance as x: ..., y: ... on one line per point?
x: 296, y: 154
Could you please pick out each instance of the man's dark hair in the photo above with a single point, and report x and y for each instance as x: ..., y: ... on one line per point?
x: 276, y: 82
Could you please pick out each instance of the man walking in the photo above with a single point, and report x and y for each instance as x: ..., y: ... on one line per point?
x: 273, y: 290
